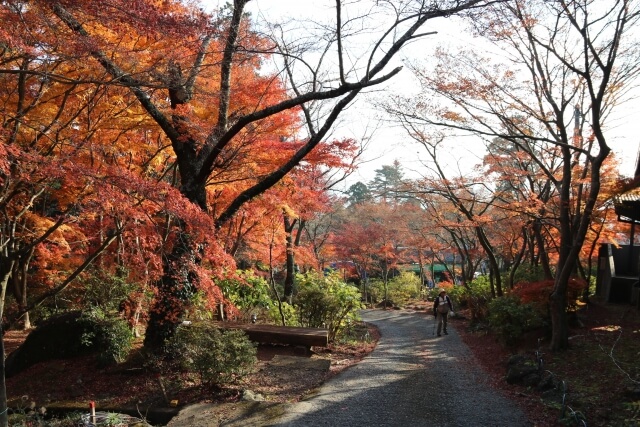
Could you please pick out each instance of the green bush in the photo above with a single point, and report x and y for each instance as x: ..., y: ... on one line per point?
x: 326, y: 301
x: 475, y: 297
x: 105, y: 290
x: 218, y: 357
x: 199, y: 307
x: 110, y: 333
x: 403, y: 288
x: 288, y: 311
x: 509, y: 318
x: 526, y: 273
x: 375, y: 290
x: 250, y: 294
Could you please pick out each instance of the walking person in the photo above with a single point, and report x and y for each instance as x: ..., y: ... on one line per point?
x: 441, y: 308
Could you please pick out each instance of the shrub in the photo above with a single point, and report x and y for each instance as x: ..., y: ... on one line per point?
x: 105, y: 290
x: 218, y: 357
x: 476, y: 297
x: 249, y: 293
x: 403, y: 288
x: 527, y: 273
x: 111, y: 334
x: 288, y: 311
x: 509, y: 318
x: 537, y: 293
x: 326, y: 301
x: 199, y: 307
x: 375, y: 290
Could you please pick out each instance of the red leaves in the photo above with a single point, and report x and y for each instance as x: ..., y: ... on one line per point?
x: 539, y: 292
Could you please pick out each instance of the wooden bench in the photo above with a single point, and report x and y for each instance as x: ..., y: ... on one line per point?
x: 273, y: 334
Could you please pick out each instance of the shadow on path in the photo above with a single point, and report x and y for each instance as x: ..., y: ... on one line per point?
x: 412, y: 378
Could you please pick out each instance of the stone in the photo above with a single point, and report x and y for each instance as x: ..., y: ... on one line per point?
x: 250, y: 396
x: 517, y: 372
x: 58, y: 337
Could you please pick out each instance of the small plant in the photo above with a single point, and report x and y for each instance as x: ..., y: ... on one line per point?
x: 111, y: 334
x: 475, y: 296
x: 326, y: 301
x: 355, y: 332
x: 510, y: 318
x: 403, y: 288
x: 289, y: 312
x: 217, y: 357
x: 249, y: 293
x: 27, y: 414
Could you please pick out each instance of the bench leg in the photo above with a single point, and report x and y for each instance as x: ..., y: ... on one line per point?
x: 302, y: 350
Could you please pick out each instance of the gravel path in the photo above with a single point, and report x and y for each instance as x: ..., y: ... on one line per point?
x: 412, y: 378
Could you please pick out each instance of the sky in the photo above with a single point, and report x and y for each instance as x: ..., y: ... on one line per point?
x: 389, y: 142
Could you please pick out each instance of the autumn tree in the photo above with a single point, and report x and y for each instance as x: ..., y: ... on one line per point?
x: 469, y: 200
x: 204, y: 147
x: 371, y: 236
x: 75, y: 168
x: 563, y: 59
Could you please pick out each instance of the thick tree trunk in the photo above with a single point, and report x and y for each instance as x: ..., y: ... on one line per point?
x: 174, y: 292
x: 559, y: 322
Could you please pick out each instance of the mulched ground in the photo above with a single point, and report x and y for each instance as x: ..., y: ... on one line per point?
x: 80, y: 380
x: 604, y: 352
x: 597, y: 369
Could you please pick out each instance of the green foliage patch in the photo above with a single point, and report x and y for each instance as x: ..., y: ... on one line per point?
x: 216, y: 356
x: 110, y: 333
x: 249, y: 293
x: 326, y: 301
x: 509, y: 318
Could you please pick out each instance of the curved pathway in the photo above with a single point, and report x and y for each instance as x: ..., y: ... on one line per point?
x: 412, y: 378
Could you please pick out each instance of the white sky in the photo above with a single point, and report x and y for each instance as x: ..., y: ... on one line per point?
x: 390, y: 143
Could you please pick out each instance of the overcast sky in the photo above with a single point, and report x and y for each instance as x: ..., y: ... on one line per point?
x: 389, y: 142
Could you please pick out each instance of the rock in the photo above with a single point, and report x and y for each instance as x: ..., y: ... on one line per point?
x: 633, y: 392
x: 553, y: 396
x: 249, y: 396
x: 517, y: 359
x: 58, y: 337
x: 517, y: 372
x: 531, y: 380
x: 547, y: 382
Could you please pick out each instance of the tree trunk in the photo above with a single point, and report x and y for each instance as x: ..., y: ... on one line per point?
x: 559, y: 322
x: 4, y: 282
x: 290, y: 263
x: 519, y: 257
x: 4, y: 417
x: 496, y: 281
x: 542, y: 252
x: 175, y: 289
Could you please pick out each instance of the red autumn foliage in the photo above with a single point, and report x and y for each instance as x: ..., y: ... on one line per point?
x: 539, y: 292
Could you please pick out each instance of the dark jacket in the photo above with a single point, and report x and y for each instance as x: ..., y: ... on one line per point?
x: 437, y: 302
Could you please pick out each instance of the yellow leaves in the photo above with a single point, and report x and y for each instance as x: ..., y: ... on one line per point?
x: 35, y: 226
x: 288, y: 211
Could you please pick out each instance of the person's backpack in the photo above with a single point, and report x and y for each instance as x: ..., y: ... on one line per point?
x: 443, y: 307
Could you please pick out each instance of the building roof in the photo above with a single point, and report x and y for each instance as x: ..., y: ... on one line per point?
x: 627, y: 205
